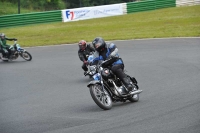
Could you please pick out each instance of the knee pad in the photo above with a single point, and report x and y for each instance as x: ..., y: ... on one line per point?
x: 5, y: 51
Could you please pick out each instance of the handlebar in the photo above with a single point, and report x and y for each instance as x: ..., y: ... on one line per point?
x: 109, y: 61
x: 15, y: 41
x: 102, y: 64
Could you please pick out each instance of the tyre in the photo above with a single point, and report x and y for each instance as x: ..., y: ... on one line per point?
x: 134, y: 98
x: 26, y: 56
x: 101, y: 98
x: 2, y: 58
x: 5, y: 60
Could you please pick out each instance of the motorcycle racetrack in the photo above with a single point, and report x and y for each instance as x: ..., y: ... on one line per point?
x: 49, y: 94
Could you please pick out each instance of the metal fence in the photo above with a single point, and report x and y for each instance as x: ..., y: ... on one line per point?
x: 30, y: 18
x: 149, y: 5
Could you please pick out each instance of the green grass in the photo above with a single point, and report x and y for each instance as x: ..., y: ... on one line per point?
x: 7, y: 8
x: 169, y: 22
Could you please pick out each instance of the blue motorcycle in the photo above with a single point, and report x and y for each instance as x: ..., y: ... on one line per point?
x: 16, y: 51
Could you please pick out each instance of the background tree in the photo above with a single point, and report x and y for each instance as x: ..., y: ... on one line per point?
x: 46, y: 5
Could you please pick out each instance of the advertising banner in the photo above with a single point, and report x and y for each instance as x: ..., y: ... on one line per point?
x: 187, y: 2
x: 91, y: 12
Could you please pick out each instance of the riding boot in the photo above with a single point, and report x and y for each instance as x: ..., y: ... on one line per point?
x: 84, y: 67
x: 127, y: 83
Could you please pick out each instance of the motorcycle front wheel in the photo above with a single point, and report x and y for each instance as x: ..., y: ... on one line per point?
x: 26, y: 56
x: 101, y: 97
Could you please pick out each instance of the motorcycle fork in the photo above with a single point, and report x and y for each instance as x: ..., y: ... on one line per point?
x: 103, y: 87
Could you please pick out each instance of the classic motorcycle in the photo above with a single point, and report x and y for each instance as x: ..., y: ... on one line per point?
x: 106, y: 88
x: 16, y: 51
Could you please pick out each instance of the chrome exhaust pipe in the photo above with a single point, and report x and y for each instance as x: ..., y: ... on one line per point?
x: 119, y: 94
x: 135, y: 92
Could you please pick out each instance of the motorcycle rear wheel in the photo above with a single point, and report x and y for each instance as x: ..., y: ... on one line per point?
x: 5, y: 60
x: 100, y: 97
x: 134, y: 98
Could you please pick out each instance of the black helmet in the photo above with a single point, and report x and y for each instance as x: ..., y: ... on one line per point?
x: 99, y: 44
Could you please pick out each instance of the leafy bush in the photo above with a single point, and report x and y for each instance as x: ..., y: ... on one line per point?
x: 42, y: 5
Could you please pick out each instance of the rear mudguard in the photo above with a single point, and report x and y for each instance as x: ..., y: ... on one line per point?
x: 133, y: 79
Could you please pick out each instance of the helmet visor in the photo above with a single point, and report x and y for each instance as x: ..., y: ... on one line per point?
x: 97, y: 45
x: 82, y: 46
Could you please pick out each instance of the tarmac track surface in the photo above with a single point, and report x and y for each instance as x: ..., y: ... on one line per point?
x: 49, y: 94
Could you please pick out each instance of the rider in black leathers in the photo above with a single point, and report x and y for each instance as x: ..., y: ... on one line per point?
x: 83, y: 53
x: 105, y: 51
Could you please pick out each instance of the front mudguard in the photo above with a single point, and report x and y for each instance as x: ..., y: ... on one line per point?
x: 99, y: 83
x: 93, y: 82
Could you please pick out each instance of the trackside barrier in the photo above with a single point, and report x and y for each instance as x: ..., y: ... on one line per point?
x: 124, y: 8
x: 187, y: 2
x: 149, y: 5
x: 92, y: 12
x: 98, y: 11
x: 30, y: 18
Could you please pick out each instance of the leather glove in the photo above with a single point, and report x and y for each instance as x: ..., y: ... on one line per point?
x: 15, y: 39
x: 85, y: 62
x: 11, y: 46
x: 110, y: 57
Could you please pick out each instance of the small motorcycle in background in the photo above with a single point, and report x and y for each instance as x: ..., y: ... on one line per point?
x: 16, y: 51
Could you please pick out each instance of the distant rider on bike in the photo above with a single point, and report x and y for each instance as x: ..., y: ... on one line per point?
x: 6, y: 49
x: 106, y: 51
x: 83, y: 53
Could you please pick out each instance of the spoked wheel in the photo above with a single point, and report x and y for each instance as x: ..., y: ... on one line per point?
x: 26, y: 56
x: 4, y: 60
x: 100, y: 97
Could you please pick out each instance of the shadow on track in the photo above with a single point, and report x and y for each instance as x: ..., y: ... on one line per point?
x: 12, y: 62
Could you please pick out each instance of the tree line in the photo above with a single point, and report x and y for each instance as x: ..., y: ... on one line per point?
x: 46, y: 5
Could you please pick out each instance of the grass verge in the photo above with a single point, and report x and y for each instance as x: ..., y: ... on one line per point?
x: 169, y: 22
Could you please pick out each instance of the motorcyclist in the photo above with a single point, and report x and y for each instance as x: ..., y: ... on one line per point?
x: 105, y: 51
x: 83, y: 53
x: 6, y: 49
